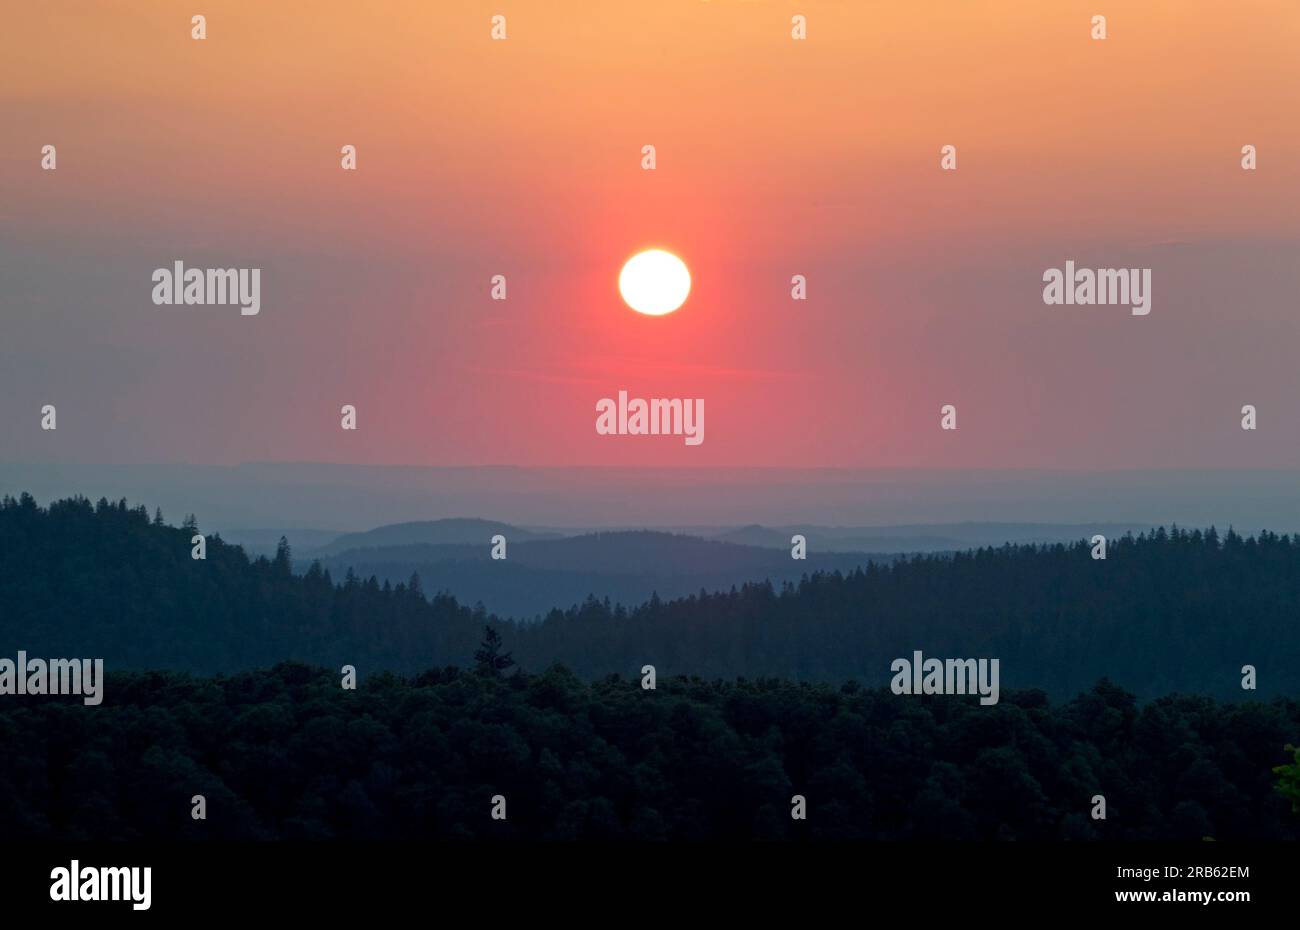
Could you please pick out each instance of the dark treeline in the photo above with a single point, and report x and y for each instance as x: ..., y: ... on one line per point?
x: 1170, y: 611
x: 288, y: 753
x: 109, y: 581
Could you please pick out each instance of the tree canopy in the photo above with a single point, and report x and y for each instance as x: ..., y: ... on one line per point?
x: 1173, y: 610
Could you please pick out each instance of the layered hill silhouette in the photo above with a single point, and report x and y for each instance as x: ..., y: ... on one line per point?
x: 464, y: 531
x: 929, y: 537
x: 541, y: 573
x: 559, y: 567
x: 1167, y: 611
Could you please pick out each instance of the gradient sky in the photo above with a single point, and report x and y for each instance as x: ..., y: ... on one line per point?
x: 775, y: 157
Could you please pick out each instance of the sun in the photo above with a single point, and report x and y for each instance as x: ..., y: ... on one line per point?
x: 654, y: 282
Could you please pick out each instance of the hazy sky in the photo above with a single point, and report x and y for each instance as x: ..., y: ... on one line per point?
x: 775, y: 158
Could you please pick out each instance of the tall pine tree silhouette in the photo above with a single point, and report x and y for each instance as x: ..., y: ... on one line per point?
x: 488, y: 658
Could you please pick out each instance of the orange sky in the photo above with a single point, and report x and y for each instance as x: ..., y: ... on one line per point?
x: 775, y: 157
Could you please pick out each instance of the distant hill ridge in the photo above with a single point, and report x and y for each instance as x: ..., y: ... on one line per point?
x: 451, y: 531
x: 1167, y: 611
x: 627, y: 567
x: 918, y: 537
x: 548, y: 568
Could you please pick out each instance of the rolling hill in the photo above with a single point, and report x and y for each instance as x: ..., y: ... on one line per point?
x: 539, y: 574
x: 1167, y: 611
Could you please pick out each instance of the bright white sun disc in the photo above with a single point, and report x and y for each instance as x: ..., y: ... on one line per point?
x: 654, y: 282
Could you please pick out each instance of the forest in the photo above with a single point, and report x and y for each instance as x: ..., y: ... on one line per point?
x: 225, y: 681
x: 1168, y: 611
x: 288, y: 753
